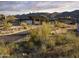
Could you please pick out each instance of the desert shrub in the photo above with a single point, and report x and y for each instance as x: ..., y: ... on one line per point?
x: 7, y: 26
x: 41, y: 35
x: 40, y: 43
x: 59, y: 24
x: 40, y: 40
x: 66, y: 46
x: 42, y: 32
x: 5, y: 49
x: 69, y: 37
x: 24, y: 25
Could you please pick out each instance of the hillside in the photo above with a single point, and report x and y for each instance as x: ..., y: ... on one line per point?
x: 74, y: 15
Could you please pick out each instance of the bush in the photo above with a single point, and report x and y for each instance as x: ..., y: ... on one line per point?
x: 40, y: 43
x: 42, y: 34
x: 66, y: 46
x: 7, y: 26
x: 24, y: 25
x: 5, y: 49
x: 40, y: 39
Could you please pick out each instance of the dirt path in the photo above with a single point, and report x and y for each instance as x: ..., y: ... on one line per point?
x: 12, y: 37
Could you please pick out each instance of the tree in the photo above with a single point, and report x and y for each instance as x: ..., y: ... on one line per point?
x: 10, y: 18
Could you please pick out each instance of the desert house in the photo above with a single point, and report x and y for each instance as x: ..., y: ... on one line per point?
x: 37, y: 18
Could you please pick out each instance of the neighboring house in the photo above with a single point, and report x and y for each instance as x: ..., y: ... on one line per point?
x: 34, y: 18
x: 37, y: 18
x: 22, y: 18
x: 28, y: 21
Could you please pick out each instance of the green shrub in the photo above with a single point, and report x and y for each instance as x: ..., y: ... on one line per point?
x: 7, y: 26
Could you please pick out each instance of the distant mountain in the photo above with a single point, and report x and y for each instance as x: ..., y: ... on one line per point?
x: 73, y: 15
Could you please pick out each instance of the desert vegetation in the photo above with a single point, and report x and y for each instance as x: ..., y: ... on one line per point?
x: 41, y: 43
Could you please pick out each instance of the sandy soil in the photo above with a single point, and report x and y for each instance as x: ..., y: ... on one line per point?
x: 11, y: 37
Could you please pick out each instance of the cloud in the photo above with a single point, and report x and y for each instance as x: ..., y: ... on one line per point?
x: 37, y: 6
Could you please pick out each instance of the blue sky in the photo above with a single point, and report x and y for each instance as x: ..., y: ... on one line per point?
x: 21, y: 7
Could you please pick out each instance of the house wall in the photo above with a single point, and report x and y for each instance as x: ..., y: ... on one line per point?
x: 38, y: 19
x: 28, y: 21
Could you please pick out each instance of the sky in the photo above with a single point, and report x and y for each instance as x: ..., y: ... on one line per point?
x: 24, y: 7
